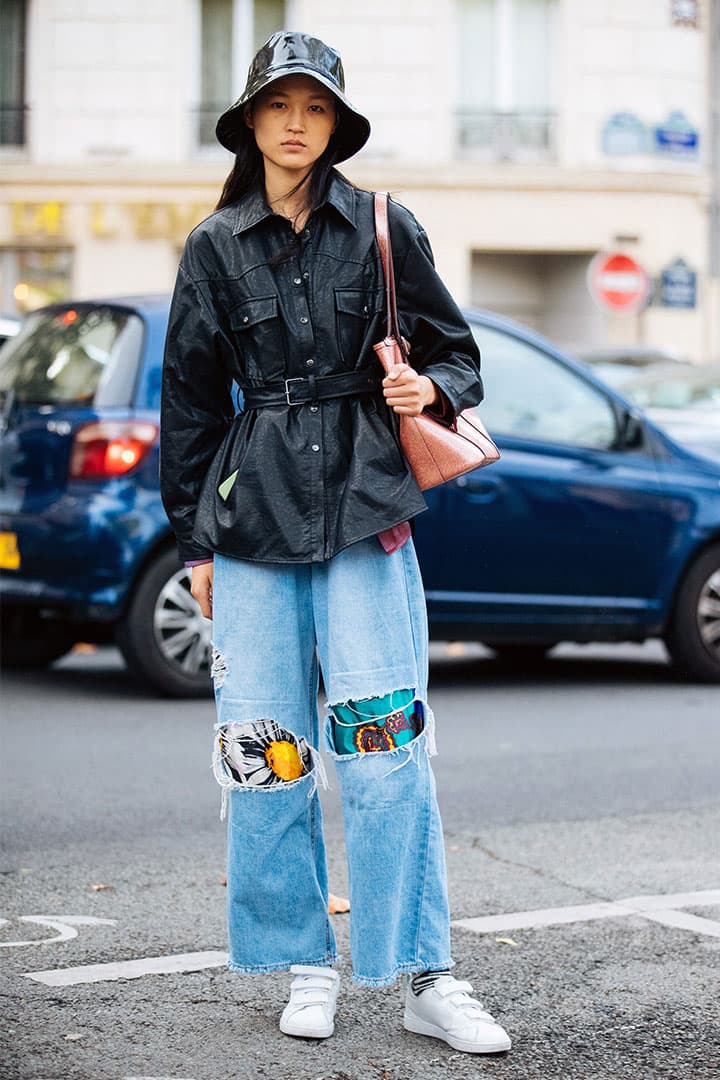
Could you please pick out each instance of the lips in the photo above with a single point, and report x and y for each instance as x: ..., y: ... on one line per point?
x: 293, y: 142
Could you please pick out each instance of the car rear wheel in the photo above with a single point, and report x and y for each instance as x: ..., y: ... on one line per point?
x: 29, y: 641
x: 164, y: 638
x: 693, y: 636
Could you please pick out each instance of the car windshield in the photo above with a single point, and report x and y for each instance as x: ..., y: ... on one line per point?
x: 83, y: 355
x: 668, y: 387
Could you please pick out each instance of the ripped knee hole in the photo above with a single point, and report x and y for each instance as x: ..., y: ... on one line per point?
x: 380, y: 723
x: 218, y: 668
x: 261, y: 753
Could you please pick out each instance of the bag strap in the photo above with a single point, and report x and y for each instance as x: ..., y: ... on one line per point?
x: 382, y: 232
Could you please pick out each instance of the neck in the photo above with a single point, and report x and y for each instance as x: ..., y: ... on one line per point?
x: 278, y: 182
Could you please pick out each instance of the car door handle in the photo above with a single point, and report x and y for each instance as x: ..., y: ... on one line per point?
x: 478, y: 488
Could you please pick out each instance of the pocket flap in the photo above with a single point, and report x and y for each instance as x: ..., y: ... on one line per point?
x: 358, y: 302
x: 254, y: 310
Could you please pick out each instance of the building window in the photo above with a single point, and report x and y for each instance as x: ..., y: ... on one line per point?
x: 13, y: 37
x: 33, y: 276
x: 231, y: 31
x: 506, y: 93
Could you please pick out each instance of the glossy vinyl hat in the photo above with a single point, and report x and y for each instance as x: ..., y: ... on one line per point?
x: 291, y: 53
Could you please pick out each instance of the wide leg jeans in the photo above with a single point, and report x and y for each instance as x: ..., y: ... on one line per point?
x: 361, y: 617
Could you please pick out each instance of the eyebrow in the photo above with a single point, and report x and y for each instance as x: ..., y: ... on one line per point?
x: 283, y: 93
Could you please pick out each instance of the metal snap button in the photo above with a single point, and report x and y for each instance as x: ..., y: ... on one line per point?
x: 315, y: 446
x: 306, y: 275
x: 303, y: 319
x: 297, y: 281
x: 313, y: 408
x: 246, y: 318
x: 309, y: 363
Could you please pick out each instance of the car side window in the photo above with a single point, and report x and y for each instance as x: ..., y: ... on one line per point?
x: 530, y: 395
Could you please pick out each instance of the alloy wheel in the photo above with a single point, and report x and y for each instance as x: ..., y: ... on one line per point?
x: 708, y: 614
x: 181, y: 631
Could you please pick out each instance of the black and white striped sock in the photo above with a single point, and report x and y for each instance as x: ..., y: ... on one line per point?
x: 425, y: 979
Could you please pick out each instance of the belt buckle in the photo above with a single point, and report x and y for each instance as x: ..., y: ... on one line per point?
x: 287, y: 390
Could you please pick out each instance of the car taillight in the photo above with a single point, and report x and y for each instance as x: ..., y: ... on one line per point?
x: 110, y: 447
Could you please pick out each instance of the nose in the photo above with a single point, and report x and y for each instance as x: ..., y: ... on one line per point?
x: 295, y: 121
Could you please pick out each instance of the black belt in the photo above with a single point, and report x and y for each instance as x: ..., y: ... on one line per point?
x: 313, y: 388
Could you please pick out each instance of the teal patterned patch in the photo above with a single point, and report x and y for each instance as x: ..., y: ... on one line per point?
x: 226, y: 486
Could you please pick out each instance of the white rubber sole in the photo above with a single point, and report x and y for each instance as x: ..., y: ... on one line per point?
x: 287, y: 1027
x: 305, y: 1033
x: 422, y: 1027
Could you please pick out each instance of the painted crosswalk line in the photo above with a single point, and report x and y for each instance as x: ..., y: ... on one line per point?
x: 129, y: 969
x: 660, y: 909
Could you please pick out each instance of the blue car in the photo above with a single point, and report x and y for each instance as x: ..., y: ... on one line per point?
x: 593, y: 526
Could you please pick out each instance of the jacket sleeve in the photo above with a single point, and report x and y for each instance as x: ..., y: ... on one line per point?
x: 196, y: 406
x: 441, y: 343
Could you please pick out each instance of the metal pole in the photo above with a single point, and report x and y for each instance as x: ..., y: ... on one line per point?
x: 713, y: 8
x: 714, y: 13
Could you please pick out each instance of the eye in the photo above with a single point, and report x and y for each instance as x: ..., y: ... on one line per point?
x: 317, y: 108
x: 277, y: 104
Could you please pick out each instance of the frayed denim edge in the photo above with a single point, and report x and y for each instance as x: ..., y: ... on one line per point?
x: 267, y: 969
x: 426, y: 737
x: 401, y: 969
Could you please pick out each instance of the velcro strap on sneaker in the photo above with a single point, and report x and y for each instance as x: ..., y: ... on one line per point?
x: 446, y: 988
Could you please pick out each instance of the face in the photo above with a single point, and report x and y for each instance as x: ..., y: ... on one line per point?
x: 292, y: 121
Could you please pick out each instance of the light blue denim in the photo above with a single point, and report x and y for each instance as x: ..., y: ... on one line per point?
x: 362, y: 616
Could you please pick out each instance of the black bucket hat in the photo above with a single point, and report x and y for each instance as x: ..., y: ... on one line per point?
x: 291, y: 53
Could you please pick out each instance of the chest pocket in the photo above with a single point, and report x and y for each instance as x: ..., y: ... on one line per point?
x: 257, y: 332
x: 354, y: 311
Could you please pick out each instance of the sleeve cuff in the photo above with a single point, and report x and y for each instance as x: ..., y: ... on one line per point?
x: 442, y: 410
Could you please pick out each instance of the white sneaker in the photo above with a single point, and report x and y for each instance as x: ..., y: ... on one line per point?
x: 310, y: 1012
x: 446, y: 1011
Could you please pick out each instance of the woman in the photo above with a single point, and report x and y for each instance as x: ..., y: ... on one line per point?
x: 294, y: 516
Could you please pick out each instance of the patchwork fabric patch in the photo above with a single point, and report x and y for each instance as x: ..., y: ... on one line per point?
x: 382, y: 723
x: 262, y: 754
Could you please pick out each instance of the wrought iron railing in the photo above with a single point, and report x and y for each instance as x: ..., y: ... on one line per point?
x: 527, y: 135
x: 205, y: 118
x: 13, y: 124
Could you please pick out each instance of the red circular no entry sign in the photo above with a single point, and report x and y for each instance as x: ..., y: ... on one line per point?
x: 618, y: 283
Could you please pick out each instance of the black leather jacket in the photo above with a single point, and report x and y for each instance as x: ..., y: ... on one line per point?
x: 303, y: 481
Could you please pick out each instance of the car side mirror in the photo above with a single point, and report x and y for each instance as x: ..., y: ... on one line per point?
x: 631, y: 430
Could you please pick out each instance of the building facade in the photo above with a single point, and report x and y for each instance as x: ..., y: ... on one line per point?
x: 526, y: 135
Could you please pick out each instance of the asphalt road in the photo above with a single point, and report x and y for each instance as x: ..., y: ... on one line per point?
x: 592, y: 781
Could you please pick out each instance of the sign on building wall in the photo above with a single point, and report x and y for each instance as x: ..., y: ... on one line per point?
x: 677, y: 138
x: 685, y: 13
x: 678, y: 286
x: 625, y: 134
x: 618, y: 282
x: 107, y: 221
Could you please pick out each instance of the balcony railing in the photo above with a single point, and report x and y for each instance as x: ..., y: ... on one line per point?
x: 12, y: 124
x: 523, y: 136
x: 205, y: 118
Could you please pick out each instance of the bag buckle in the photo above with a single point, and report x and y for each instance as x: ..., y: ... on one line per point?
x: 288, y: 391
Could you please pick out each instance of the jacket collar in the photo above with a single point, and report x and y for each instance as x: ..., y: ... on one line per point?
x: 253, y: 208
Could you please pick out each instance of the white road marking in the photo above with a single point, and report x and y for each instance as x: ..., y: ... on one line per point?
x: 64, y: 923
x: 522, y: 920
x: 684, y: 921
x: 129, y: 969
x: 661, y: 909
